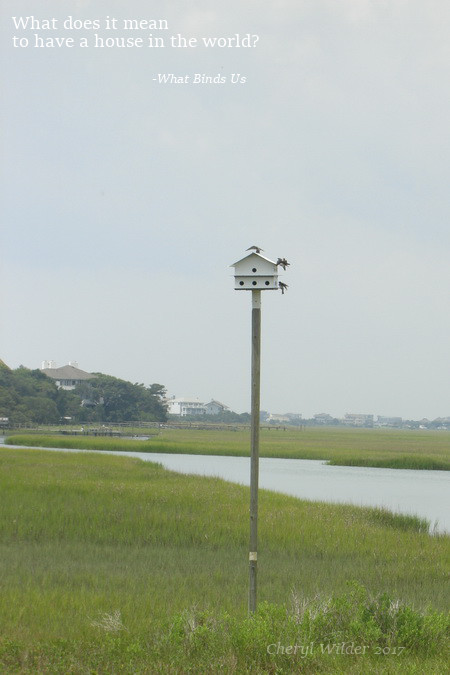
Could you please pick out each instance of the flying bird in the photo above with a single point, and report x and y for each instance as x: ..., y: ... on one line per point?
x: 283, y: 263
x: 257, y: 249
x: 283, y: 287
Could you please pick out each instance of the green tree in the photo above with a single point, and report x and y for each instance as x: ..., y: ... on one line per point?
x: 40, y: 410
x: 30, y: 396
x: 121, y: 401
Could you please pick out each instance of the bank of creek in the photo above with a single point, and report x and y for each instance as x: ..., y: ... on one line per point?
x: 422, y: 493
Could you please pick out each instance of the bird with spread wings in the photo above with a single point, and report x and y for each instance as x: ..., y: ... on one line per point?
x: 282, y: 262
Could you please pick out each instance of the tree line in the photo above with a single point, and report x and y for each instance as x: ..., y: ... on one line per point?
x: 30, y: 396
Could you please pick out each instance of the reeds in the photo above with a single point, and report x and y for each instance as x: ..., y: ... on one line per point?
x: 100, y: 555
x: 352, y: 447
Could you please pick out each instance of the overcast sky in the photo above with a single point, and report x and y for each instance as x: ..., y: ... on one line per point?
x: 125, y: 201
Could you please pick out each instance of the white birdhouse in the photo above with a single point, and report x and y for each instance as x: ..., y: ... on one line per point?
x: 255, y: 272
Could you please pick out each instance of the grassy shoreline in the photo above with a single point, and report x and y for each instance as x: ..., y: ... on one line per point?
x: 111, y: 563
x: 344, y: 447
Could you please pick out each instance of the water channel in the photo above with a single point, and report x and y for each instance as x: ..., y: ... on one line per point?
x: 422, y: 493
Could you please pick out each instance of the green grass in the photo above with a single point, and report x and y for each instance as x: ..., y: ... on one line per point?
x: 111, y: 564
x: 367, y: 447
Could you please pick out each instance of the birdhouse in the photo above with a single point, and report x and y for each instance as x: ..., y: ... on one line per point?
x: 255, y: 272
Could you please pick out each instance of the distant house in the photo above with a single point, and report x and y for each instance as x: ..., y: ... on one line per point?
x: 274, y: 417
x: 193, y: 406
x: 215, y: 407
x: 323, y: 418
x: 185, y: 406
x: 388, y: 421
x: 67, y: 377
x: 357, y: 420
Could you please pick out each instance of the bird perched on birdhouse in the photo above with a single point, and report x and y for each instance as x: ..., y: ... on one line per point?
x: 282, y: 262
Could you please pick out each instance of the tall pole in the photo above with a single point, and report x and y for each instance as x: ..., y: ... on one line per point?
x: 254, y: 461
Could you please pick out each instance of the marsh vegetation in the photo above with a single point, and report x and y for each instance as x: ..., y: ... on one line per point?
x: 352, y: 447
x: 111, y: 563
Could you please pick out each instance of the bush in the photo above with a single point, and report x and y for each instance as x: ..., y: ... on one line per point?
x: 315, y: 631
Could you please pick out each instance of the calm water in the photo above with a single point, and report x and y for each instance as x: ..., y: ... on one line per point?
x: 423, y: 493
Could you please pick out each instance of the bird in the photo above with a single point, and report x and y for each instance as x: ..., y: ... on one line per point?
x: 283, y: 287
x: 257, y: 249
x: 283, y: 262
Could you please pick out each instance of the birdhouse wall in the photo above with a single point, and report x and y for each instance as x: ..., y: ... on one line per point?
x: 256, y: 283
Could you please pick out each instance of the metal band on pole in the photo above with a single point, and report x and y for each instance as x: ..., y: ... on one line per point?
x: 254, y: 461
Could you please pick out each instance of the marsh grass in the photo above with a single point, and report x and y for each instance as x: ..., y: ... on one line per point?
x: 352, y: 447
x: 101, y: 555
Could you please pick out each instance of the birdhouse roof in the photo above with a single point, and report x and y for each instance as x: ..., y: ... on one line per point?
x: 256, y: 256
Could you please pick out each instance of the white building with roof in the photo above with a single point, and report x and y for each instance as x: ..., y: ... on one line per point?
x: 66, y: 377
x: 185, y: 406
x: 193, y: 406
x: 215, y: 407
x: 358, y: 420
x: 255, y: 272
x: 278, y: 417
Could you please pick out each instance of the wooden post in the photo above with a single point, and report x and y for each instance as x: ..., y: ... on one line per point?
x: 254, y: 461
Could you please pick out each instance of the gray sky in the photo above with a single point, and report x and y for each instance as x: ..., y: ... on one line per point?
x: 124, y: 201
